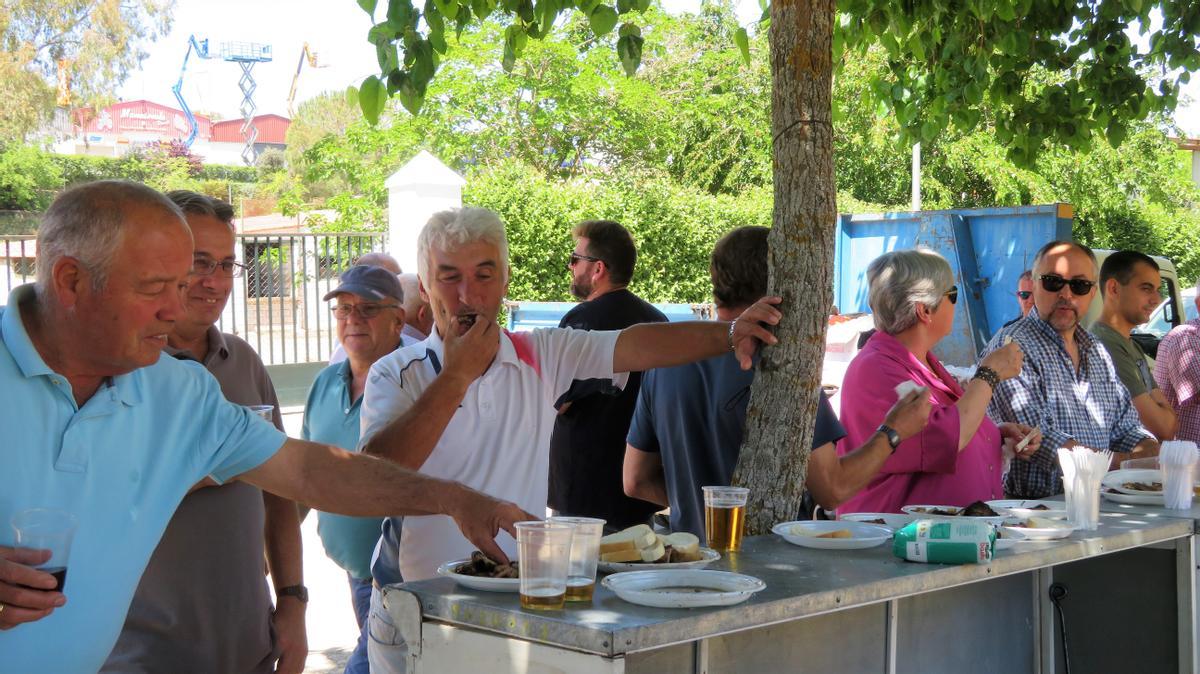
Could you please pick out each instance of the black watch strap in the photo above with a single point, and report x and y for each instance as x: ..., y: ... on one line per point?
x: 890, y: 433
x: 298, y: 591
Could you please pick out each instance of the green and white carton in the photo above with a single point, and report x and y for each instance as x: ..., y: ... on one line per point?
x: 945, y: 542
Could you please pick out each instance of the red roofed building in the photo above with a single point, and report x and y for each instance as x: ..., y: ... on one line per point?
x: 116, y: 129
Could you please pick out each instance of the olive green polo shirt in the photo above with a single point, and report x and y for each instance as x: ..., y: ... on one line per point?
x: 1133, y: 368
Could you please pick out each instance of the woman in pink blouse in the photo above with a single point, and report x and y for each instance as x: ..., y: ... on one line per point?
x: 956, y: 460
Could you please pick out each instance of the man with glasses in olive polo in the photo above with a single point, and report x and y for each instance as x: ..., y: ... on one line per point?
x: 1068, y: 387
x: 203, y: 604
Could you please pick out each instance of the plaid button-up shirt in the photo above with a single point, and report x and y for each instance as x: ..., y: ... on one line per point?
x: 1177, y: 371
x: 1089, y: 405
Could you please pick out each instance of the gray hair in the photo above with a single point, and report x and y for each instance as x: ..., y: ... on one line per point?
x: 902, y: 279
x: 88, y: 222
x: 202, y: 204
x: 458, y: 227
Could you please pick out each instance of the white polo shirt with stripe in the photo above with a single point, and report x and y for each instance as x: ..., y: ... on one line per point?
x: 499, y: 439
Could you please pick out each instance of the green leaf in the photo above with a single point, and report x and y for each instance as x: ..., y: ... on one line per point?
x: 602, y: 20
x: 399, y: 14
x: 626, y: 6
x: 447, y: 8
x: 1115, y: 133
x: 629, y: 49
x: 368, y: 6
x: 742, y: 40
x: 352, y: 95
x: 482, y: 8
x: 372, y: 98
x: 438, y: 41
x: 916, y: 47
x: 643, y: 5
x: 1005, y: 10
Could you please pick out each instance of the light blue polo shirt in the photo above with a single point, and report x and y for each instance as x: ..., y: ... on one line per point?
x: 330, y: 417
x: 121, y: 465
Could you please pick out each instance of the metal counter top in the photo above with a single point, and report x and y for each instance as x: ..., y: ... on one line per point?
x: 801, y: 582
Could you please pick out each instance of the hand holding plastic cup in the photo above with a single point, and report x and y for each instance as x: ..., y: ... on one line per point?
x: 545, y: 556
x: 47, y: 529
x: 585, y: 555
x: 725, y: 517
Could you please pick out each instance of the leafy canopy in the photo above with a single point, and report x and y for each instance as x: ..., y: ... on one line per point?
x: 1062, y: 70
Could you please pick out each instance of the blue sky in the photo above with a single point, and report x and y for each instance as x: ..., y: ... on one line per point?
x: 336, y: 29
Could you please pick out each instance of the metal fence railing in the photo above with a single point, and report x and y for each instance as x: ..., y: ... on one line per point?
x: 276, y: 305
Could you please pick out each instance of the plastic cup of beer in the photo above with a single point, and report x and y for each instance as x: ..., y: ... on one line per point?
x: 545, y: 555
x: 265, y: 412
x: 47, y: 529
x: 585, y: 555
x: 725, y: 517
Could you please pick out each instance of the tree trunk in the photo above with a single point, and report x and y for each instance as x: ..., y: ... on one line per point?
x: 783, y: 401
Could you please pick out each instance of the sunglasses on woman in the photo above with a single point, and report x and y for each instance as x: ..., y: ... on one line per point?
x: 952, y: 294
x: 1052, y: 284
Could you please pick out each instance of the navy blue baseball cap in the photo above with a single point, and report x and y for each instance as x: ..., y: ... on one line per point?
x: 369, y: 282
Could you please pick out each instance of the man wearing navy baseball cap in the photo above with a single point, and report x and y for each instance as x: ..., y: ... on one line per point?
x: 369, y: 308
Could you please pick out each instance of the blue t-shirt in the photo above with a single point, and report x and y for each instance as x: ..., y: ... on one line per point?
x: 694, y: 415
x: 120, y: 464
x: 330, y: 417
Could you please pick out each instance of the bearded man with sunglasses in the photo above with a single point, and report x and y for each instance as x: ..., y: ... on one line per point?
x: 1068, y: 388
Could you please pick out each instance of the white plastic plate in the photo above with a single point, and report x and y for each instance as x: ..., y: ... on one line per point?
x: 804, y: 533
x: 478, y: 582
x: 683, y: 588
x: 1116, y: 479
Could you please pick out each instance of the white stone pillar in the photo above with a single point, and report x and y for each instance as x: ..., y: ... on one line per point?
x: 419, y: 189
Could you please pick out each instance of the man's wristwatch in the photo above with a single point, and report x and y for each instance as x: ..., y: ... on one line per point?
x: 892, y: 436
x: 298, y: 591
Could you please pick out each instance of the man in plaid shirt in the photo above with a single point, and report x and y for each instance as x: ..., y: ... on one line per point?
x: 1068, y: 387
x: 1177, y: 372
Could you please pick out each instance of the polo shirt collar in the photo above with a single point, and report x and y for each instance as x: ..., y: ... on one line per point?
x: 507, y: 354
x: 216, y: 345
x: 124, y: 387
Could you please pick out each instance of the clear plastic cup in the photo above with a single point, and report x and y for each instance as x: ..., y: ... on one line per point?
x: 545, y: 556
x: 585, y: 555
x: 48, y: 529
x: 265, y: 412
x: 725, y: 517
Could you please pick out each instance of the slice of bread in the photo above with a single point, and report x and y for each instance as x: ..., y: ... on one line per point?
x: 634, y: 538
x: 840, y: 533
x: 654, y: 552
x: 685, y: 546
x: 622, y: 556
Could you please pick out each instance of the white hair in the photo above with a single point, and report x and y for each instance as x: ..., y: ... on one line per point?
x: 458, y: 227
x: 88, y: 223
x: 902, y: 279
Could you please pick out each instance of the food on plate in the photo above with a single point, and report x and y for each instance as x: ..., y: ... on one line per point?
x: 840, y: 533
x: 1040, y: 506
x: 978, y: 509
x: 639, y: 544
x: 1143, y: 486
x: 877, y: 520
x: 943, y: 512
x: 483, y: 566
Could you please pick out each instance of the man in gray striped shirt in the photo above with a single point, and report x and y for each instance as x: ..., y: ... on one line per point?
x: 1068, y: 387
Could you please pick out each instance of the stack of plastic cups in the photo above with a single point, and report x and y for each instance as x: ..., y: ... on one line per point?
x: 1177, y: 459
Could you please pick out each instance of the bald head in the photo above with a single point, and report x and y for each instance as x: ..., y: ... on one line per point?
x: 380, y: 260
x: 88, y: 222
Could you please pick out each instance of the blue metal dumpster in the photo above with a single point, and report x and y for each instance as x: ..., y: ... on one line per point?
x: 988, y: 249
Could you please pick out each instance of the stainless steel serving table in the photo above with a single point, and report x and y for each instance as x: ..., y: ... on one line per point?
x: 843, y: 611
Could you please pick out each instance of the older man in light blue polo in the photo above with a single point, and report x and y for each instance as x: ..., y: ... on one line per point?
x: 98, y: 425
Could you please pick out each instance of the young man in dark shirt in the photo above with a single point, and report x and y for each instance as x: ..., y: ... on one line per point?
x: 587, y: 448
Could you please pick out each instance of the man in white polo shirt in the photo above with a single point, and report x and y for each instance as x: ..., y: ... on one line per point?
x: 476, y: 404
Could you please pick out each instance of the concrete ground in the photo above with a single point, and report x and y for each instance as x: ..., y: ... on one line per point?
x: 332, y: 631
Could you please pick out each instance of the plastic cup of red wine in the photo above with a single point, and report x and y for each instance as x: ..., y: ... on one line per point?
x: 47, y: 529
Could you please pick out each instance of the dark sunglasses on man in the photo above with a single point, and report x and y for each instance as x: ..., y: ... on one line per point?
x: 1024, y: 294
x: 576, y: 257
x: 1053, y: 283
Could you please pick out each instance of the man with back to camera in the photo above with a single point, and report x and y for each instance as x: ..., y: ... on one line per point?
x: 1129, y: 285
x: 587, y: 447
x: 1059, y: 356
x: 688, y: 425
x: 1177, y: 372
x: 204, y: 583
x: 102, y: 427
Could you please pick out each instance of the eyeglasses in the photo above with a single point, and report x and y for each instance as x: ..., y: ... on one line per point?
x: 1053, y: 284
x: 576, y: 257
x: 368, y: 311
x: 952, y: 294
x: 1024, y: 294
x: 205, y: 266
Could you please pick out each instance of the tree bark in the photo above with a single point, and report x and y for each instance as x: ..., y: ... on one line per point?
x: 783, y: 401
